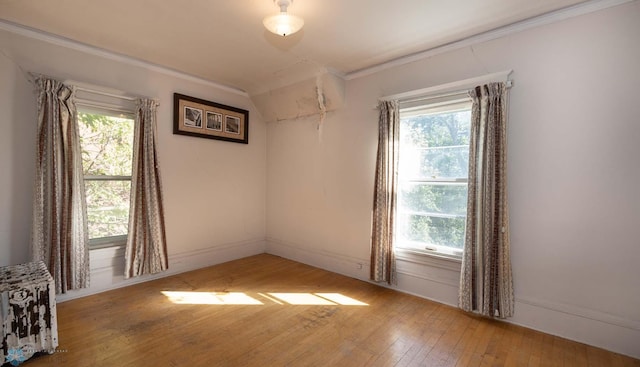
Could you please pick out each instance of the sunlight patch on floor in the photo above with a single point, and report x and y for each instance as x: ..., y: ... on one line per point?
x: 270, y: 298
x: 241, y: 298
x: 302, y: 299
x: 211, y: 298
x: 341, y: 299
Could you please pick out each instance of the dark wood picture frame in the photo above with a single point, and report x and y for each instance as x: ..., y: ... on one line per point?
x: 205, y: 119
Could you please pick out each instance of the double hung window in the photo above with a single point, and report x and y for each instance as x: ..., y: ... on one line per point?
x: 106, y: 140
x: 432, y: 177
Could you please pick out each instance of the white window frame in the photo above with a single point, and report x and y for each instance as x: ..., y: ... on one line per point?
x: 108, y: 102
x: 433, y: 105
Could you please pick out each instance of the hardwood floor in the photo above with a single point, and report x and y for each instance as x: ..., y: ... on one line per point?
x: 263, y: 314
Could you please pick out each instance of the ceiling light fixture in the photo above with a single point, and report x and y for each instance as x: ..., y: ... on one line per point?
x: 283, y: 24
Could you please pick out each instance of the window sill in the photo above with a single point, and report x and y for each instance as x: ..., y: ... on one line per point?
x: 103, y: 246
x: 430, y: 258
x: 108, y: 242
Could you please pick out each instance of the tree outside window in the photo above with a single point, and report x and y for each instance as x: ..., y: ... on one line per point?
x: 107, y: 148
x: 432, y: 174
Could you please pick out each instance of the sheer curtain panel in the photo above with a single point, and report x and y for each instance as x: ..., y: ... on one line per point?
x: 146, y: 250
x: 383, y: 263
x: 59, y: 234
x: 486, y: 285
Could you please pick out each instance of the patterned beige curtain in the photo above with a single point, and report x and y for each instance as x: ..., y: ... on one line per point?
x: 146, y: 251
x: 486, y: 285
x: 383, y: 263
x: 59, y: 234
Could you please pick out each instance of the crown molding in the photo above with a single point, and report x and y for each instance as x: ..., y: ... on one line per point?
x: 96, y: 51
x: 544, y: 19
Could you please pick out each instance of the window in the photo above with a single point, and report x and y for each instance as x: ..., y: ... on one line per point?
x: 432, y: 177
x: 106, y: 139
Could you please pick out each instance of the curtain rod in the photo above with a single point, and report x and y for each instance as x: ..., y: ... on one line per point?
x: 100, y: 90
x: 95, y: 89
x: 461, y: 93
x: 90, y: 88
x: 106, y: 94
x: 458, y: 87
x: 103, y: 106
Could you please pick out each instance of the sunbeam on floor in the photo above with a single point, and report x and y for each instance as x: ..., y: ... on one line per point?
x: 241, y: 298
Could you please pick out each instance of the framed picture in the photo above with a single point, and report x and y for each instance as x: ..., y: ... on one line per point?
x: 197, y: 117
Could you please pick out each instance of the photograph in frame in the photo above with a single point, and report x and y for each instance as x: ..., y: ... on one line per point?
x: 214, y: 121
x: 192, y: 117
x: 232, y: 125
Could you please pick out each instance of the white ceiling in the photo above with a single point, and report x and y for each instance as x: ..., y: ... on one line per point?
x: 225, y: 42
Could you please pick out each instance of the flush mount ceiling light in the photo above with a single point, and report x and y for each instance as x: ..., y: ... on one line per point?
x: 283, y: 24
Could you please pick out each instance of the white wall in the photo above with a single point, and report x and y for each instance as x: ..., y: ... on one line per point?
x: 574, y: 134
x: 573, y: 172
x: 17, y: 162
x: 214, y: 191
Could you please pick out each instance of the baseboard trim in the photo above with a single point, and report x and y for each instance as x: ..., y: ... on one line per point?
x: 583, y: 312
x: 109, y: 269
x: 358, y: 268
x: 583, y: 325
x: 346, y: 265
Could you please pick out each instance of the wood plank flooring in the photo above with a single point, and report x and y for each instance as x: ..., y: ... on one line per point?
x: 269, y: 311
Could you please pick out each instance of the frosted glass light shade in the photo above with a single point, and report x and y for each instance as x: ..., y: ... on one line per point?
x: 283, y: 24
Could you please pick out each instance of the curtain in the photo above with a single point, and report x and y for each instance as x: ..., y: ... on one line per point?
x: 59, y: 234
x: 486, y: 285
x: 383, y: 265
x: 146, y: 250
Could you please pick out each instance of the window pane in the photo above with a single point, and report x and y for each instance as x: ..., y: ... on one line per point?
x: 107, y: 207
x: 437, y: 130
x: 435, y: 145
x: 423, y: 198
x: 435, y: 163
x: 429, y: 230
x: 107, y: 144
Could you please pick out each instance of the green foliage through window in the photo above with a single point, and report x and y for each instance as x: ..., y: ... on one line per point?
x: 107, y: 147
x: 433, y: 171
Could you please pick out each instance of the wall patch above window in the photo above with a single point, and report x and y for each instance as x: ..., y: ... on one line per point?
x: 197, y: 117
